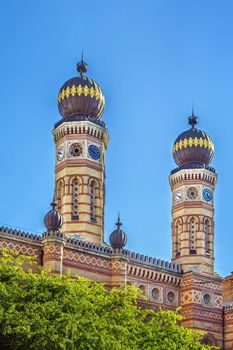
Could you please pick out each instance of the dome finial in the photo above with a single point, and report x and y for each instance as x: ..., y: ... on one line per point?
x: 192, y: 109
x: 118, y: 223
x: 53, y: 219
x: 118, y: 238
x: 193, y: 119
x: 82, y: 66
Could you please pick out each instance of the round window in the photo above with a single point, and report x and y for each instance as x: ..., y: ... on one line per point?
x: 155, y: 293
x: 192, y: 193
x: 76, y: 150
x: 171, y: 297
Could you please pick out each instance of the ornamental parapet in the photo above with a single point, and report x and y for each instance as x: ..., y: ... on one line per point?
x: 76, y: 243
x: 81, y: 124
x: 228, y: 306
x: 131, y: 256
x: 53, y: 234
x: 79, y: 118
x: 14, y: 233
x: 72, y: 243
x: 193, y: 166
x: 206, y: 174
x: 153, y: 262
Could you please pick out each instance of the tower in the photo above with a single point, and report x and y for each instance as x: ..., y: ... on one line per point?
x: 81, y: 140
x: 192, y: 185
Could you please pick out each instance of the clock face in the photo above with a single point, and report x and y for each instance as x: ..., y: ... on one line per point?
x: 192, y: 192
x: 94, y: 152
x: 60, y: 153
x: 207, y: 194
x: 76, y: 150
x: 178, y: 196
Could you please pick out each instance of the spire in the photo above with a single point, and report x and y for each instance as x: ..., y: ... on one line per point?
x: 118, y: 223
x: 193, y: 110
x: 193, y: 119
x: 82, y: 66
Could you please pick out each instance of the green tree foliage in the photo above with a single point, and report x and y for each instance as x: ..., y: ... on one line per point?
x: 51, y: 312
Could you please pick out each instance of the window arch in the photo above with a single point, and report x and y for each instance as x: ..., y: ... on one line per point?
x: 178, y: 232
x: 75, y: 200
x: 192, y: 235
x: 92, y: 189
x: 207, y: 235
x: 59, y: 195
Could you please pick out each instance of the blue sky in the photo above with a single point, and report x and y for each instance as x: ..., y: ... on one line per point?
x: 153, y: 59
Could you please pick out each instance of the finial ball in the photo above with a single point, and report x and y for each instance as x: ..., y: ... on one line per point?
x: 82, y: 67
x: 193, y: 120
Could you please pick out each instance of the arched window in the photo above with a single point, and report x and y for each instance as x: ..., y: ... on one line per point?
x: 59, y: 195
x: 92, y: 201
x: 207, y: 235
x: 192, y: 235
x: 75, y: 199
x: 178, y: 232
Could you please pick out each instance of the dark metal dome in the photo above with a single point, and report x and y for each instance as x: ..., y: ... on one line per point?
x: 193, y: 148
x: 53, y: 219
x: 81, y: 96
x: 118, y: 238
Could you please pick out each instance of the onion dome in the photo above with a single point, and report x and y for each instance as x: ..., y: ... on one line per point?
x: 53, y: 219
x: 81, y: 96
x: 118, y: 238
x: 193, y: 148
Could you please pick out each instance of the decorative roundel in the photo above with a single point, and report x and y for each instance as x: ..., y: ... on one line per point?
x: 207, y: 194
x: 76, y: 150
x: 94, y: 152
x: 192, y: 193
x: 155, y: 293
x: 171, y: 297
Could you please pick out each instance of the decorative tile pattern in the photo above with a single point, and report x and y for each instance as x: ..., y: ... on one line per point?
x: 218, y: 301
x: 21, y: 248
x: 202, y: 314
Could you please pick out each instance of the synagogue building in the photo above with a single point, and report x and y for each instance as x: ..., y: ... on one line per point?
x: 74, y: 236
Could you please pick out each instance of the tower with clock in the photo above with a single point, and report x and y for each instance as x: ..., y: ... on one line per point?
x: 192, y: 185
x: 81, y: 140
x: 73, y: 239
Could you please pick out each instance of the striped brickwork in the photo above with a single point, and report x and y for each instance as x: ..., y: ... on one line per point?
x: 83, y: 170
x: 185, y: 209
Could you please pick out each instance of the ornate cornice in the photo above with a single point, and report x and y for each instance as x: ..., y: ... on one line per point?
x: 206, y: 174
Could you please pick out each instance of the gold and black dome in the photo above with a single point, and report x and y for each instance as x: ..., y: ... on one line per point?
x: 193, y: 148
x: 81, y: 96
